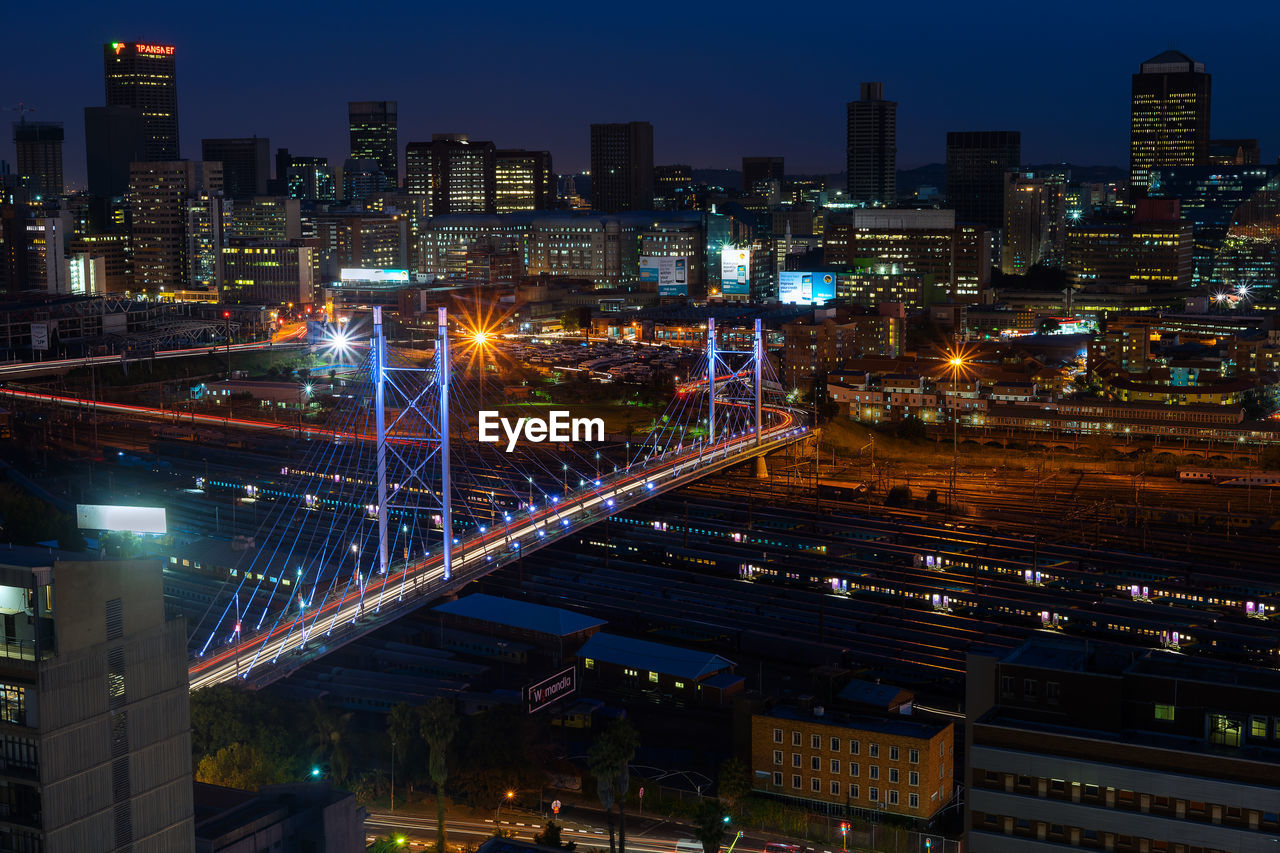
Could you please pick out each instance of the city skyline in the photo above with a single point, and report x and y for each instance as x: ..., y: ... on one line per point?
x: 1074, y: 111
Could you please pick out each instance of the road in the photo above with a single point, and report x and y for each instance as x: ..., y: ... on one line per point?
x: 378, y: 601
x: 288, y: 339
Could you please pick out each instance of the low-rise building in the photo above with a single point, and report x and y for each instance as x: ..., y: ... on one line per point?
x: 657, y: 672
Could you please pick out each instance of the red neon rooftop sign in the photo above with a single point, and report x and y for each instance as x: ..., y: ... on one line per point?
x: 155, y: 49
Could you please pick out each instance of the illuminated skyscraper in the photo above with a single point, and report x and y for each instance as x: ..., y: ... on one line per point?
x: 144, y: 76
x: 872, y: 147
x: 523, y: 180
x: 457, y: 174
x: 622, y: 166
x: 39, y: 149
x: 170, y: 235
x: 373, y: 135
x: 1169, y: 122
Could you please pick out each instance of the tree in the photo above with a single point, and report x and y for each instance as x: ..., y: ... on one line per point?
x: 550, y: 837
x: 403, y: 732
x: 709, y: 825
x: 734, y: 783
x: 610, y: 761
x: 438, y: 723
x: 329, y: 739
x: 241, y: 766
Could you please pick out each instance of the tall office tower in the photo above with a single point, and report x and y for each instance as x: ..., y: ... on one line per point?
x: 458, y: 175
x: 976, y: 163
x: 246, y: 164
x: 622, y: 166
x: 871, y: 147
x: 757, y: 172
x: 145, y: 77
x: 161, y: 195
x: 361, y: 179
x: 39, y: 149
x: 93, y: 702
x: 523, y: 180
x: 1034, y: 219
x: 308, y: 178
x: 114, y: 137
x: 1169, y: 121
x: 373, y: 135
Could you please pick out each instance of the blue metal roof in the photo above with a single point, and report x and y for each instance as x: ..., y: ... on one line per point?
x: 657, y: 657
x: 520, y: 614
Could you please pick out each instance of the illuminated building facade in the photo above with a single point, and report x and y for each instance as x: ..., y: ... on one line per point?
x: 872, y: 147
x: 1234, y: 152
x: 673, y: 186
x: 246, y: 164
x: 976, y: 165
x: 622, y: 166
x: 307, y: 178
x: 523, y: 180
x: 915, y: 242
x: 1156, y: 254
x: 38, y: 145
x: 145, y: 77
x: 813, y: 349
x: 162, y: 196
x: 267, y: 273
x: 1169, y: 119
x: 373, y: 135
x: 1034, y: 220
x: 759, y: 172
x: 365, y: 241
x: 455, y: 173
x: 264, y: 218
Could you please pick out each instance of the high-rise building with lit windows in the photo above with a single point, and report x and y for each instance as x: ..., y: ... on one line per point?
x: 523, y: 180
x: 373, y: 135
x: 144, y: 76
x: 622, y: 166
x: 456, y: 173
x: 872, y: 147
x: 38, y: 145
x: 1169, y: 120
x: 170, y: 202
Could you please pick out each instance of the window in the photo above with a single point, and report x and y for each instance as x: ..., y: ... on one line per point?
x: 815, y: 763
x: 855, y: 745
x: 835, y: 788
x: 13, y: 704
x: 873, y: 794
x: 795, y: 781
x: 679, y: 684
x: 874, y: 750
x: 1006, y: 685
x: 893, y: 775
x: 893, y: 753
x: 1051, y: 691
x: 873, y: 771
x: 1224, y: 730
x: 1258, y: 727
x: 854, y: 768
x: 913, y: 778
x: 835, y: 765
x: 777, y: 778
x: 1029, y: 688
x: 777, y: 756
x: 853, y: 791
x: 631, y: 672
x: 913, y: 756
x: 816, y: 785
x: 795, y: 759
x: 777, y: 735
x: 1164, y: 712
x: 835, y: 744
x: 795, y: 738
x: 893, y: 798
x: 815, y: 741
x: 653, y: 676
x: 913, y: 800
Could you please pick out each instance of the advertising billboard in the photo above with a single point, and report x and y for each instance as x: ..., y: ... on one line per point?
x: 549, y: 690
x: 134, y: 519
x: 364, y: 275
x: 806, y: 288
x: 669, y: 275
x: 735, y: 271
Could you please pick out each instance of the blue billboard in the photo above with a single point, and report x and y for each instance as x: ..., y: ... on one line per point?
x: 806, y: 288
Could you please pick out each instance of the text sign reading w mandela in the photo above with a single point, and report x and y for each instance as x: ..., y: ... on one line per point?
x: 540, y: 695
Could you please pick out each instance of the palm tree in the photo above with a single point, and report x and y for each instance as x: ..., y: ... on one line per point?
x: 402, y: 731
x: 329, y: 736
x: 438, y: 724
x: 708, y: 825
x: 601, y: 767
x: 610, y: 761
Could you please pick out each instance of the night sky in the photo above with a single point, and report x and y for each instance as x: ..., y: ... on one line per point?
x: 718, y: 81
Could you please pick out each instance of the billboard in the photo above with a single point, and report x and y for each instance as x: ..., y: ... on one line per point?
x: 40, y: 336
x: 806, y: 288
x: 135, y: 519
x: 735, y: 271
x: 549, y: 690
x: 365, y: 275
x: 669, y: 276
